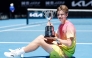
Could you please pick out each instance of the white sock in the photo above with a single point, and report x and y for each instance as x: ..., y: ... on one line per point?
x: 21, y: 51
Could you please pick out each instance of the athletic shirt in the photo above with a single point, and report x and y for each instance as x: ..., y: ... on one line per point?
x: 65, y: 31
x: 12, y: 8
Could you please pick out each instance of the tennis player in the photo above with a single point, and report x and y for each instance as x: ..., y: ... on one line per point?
x: 64, y: 43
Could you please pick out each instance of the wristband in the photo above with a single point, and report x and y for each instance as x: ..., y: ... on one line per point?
x: 57, y: 41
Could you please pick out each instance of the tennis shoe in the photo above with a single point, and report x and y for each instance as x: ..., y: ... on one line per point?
x: 11, y: 50
x: 12, y: 54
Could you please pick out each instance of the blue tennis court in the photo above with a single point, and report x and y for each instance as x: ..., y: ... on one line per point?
x: 14, y: 33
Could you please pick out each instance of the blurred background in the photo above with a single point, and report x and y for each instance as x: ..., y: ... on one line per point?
x: 21, y: 21
x: 21, y: 7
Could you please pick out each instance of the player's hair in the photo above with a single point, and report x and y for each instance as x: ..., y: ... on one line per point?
x: 64, y: 8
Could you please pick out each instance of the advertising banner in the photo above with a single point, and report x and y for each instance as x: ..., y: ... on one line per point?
x: 53, y: 4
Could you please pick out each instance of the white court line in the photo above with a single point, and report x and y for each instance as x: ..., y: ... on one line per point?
x: 11, y: 29
x: 15, y: 25
x: 29, y: 30
x: 44, y: 30
x: 19, y: 28
x: 29, y: 42
x: 22, y: 24
x: 12, y: 25
x: 84, y: 30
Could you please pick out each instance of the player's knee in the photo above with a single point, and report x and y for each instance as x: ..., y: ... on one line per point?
x: 41, y: 36
x: 40, y: 39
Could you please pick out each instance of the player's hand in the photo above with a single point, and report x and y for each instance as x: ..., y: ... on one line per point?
x: 49, y: 37
x: 49, y: 40
x: 54, y: 38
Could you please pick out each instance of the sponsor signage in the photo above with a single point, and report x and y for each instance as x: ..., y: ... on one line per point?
x: 72, y: 4
x: 81, y: 4
x: 35, y: 14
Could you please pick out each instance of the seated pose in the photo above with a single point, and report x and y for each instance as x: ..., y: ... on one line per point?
x: 63, y: 44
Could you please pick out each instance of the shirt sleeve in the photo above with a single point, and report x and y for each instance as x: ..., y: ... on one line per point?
x: 70, y: 31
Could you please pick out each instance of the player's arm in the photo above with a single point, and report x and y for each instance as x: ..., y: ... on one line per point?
x: 67, y: 42
x: 69, y: 35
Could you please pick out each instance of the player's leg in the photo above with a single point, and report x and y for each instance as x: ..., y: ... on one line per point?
x: 54, y: 50
x: 39, y: 41
x: 57, y: 52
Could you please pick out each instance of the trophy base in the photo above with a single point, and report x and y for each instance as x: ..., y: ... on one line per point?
x: 49, y: 41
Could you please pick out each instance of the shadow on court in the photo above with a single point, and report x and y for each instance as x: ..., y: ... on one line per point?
x: 41, y: 57
x: 37, y: 57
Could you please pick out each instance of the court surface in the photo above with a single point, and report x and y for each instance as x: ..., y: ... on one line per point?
x: 14, y: 33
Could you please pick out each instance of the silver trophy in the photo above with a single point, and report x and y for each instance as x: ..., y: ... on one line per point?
x: 49, y: 29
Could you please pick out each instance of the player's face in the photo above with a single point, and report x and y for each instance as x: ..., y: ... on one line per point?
x: 62, y: 16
